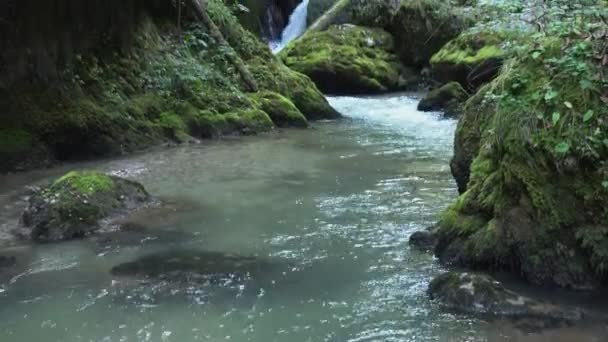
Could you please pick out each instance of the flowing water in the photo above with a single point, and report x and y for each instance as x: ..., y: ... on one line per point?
x: 295, y: 28
x: 323, y: 213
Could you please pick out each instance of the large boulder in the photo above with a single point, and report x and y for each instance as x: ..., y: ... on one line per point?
x: 479, y: 294
x: 73, y: 205
x: 472, y: 59
x: 421, y: 28
x: 532, y: 195
x: 448, y: 98
x: 347, y: 59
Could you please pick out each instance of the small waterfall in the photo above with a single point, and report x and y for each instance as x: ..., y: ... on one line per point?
x: 295, y: 27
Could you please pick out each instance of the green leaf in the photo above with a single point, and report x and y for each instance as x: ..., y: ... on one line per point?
x: 605, y: 184
x: 562, y: 148
x: 568, y: 104
x: 555, y: 117
x: 550, y: 95
x: 588, y: 115
x: 536, y: 54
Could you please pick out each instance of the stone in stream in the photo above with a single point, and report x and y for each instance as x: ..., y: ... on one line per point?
x: 448, y: 98
x: 424, y: 240
x: 480, y: 294
x: 196, y: 266
x: 73, y: 205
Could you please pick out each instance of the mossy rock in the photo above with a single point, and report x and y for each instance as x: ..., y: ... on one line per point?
x: 533, y: 197
x: 346, y: 59
x: 280, y: 109
x: 480, y: 295
x: 73, y: 205
x: 472, y: 59
x: 447, y: 98
x: 421, y: 28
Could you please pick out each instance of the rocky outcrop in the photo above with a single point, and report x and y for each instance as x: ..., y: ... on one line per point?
x: 348, y: 59
x: 136, y: 87
x: 448, y: 98
x: 532, y: 197
x: 73, y: 205
x: 479, y: 294
x: 424, y: 240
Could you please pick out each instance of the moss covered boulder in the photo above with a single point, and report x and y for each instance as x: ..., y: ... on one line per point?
x: 532, y: 147
x: 347, y: 59
x: 281, y: 110
x: 73, y: 205
x: 448, y: 98
x: 479, y: 294
x: 472, y: 59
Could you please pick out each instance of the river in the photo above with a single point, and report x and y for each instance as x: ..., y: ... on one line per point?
x: 331, y: 207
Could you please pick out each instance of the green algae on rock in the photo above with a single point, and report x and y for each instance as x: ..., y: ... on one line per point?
x: 447, y: 98
x: 73, y: 205
x: 281, y: 110
x: 346, y: 59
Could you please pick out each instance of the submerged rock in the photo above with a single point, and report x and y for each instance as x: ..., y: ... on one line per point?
x: 448, y: 98
x: 347, y: 59
x: 425, y: 240
x: 73, y: 205
x: 190, y: 265
x: 481, y: 295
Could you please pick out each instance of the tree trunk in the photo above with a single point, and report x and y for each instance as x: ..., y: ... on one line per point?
x: 200, y: 11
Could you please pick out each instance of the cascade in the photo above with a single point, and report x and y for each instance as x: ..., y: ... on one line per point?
x: 294, y: 29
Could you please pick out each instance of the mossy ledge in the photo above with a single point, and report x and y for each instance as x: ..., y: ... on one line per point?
x: 73, y: 205
x: 139, y: 87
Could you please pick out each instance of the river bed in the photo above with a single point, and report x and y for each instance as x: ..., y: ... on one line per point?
x: 326, y: 211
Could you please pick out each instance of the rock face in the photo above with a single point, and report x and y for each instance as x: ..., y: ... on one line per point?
x: 73, y: 205
x: 316, y: 8
x: 471, y: 59
x: 481, y: 295
x: 448, y: 98
x: 347, y: 59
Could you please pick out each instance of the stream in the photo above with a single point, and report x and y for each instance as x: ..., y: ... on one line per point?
x: 325, y: 215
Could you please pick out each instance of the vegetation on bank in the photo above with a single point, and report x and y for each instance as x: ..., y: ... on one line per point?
x: 162, y: 85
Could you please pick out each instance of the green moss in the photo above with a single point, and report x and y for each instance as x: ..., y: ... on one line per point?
x: 346, y: 59
x: 173, y: 125
x: 448, y: 97
x: 280, y: 109
x: 14, y: 141
x: 84, y: 182
x: 452, y: 53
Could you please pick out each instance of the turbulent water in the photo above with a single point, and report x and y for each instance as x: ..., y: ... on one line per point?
x: 295, y: 27
x: 324, y: 215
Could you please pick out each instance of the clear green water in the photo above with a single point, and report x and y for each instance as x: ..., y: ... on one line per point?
x: 327, y: 210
